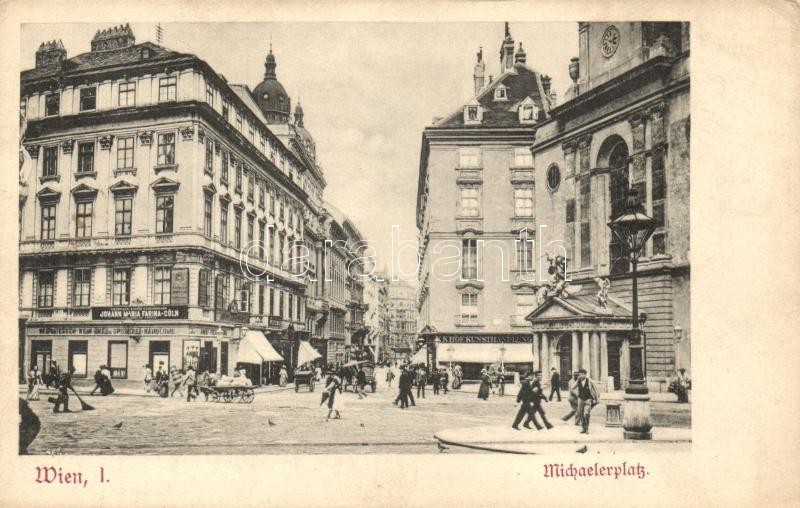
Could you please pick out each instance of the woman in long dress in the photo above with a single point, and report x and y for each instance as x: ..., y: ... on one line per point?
x: 486, y: 384
x: 283, y: 377
x: 334, y: 389
x: 34, y: 380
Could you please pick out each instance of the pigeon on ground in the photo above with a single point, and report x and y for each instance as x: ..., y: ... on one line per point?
x: 271, y: 423
x: 583, y: 450
x: 118, y: 426
x: 442, y: 448
x: 362, y: 424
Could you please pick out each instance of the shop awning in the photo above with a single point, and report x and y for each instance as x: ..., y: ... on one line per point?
x: 255, y: 348
x: 484, y: 353
x: 306, y: 353
x: 420, y: 356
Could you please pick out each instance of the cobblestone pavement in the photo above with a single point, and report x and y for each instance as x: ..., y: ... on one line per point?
x: 280, y: 423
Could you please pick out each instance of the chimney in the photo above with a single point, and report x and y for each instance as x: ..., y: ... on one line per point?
x: 507, y: 51
x: 520, y: 56
x: 50, y: 52
x: 478, y: 74
x: 113, y: 38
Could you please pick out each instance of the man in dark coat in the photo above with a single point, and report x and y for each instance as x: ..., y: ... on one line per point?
x: 524, y: 398
x: 536, y: 403
x: 405, y: 383
x: 64, y: 385
x: 436, y: 378
x: 445, y: 380
x: 555, y: 381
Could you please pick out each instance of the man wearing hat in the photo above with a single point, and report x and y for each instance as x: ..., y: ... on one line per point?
x: 524, y: 398
x: 536, y: 403
x: 588, y: 397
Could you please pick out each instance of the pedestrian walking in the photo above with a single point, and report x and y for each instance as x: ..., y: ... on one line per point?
x: 501, y: 382
x: 283, y: 376
x: 34, y: 381
x: 54, y: 375
x: 361, y: 382
x: 486, y: 385
x: 555, y: 384
x: 177, y: 381
x: 422, y: 380
x: 588, y: 397
x: 573, y: 399
x: 405, y: 382
x: 190, y: 380
x: 148, y: 377
x: 389, y: 376
x: 445, y: 379
x: 536, y: 403
x: 334, y: 390
x: 524, y: 399
x: 106, y: 388
x: 436, y: 379
x: 98, y: 380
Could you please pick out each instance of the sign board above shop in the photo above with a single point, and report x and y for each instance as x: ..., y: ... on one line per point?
x: 483, y: 339
x: 150, y: 312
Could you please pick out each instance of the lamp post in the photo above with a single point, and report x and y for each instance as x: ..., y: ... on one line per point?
x: 502, y: 355
x: 633, y: 228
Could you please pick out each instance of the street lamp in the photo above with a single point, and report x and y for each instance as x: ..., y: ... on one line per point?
x: 502, y: 355
x: 633, y: 228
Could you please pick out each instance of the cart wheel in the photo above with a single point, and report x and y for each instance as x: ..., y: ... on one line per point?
x: 215, y: 396
x: 248, y: 396
x: 227, y: 395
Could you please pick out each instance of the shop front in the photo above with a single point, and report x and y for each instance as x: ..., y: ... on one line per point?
x: 476, y: 351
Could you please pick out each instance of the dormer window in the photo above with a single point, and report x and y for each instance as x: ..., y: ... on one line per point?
x: 500, y: 93
x: 527, y: 111
x: 473, y: 114
x: 146, y: 53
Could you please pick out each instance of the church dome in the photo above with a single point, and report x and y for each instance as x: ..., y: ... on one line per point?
x: 270, y: 95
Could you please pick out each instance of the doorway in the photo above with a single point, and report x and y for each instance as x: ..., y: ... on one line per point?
x: 41, y: 354
x: 565, y: 360
x: 159, y: 353
x: 614, y: 363
x: 208, y: 357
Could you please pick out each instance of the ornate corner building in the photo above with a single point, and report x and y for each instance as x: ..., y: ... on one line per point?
x: 161, y: 209
x: 514, y: 176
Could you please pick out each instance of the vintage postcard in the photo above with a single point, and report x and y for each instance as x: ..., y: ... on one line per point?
x: 383, y: 242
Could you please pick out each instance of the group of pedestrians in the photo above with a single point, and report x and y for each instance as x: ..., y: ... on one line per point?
x: 102, y: 381
x: 160, y: 381
x: 419, y: 376
x: 530, y: 398
x: 583, y: 397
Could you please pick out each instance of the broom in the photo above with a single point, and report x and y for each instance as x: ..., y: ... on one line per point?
x: 84, y: 405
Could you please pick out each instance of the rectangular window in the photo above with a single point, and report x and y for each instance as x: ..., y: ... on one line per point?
x: 204, y: 288
x: 81, y: 286
x: 283, y: 210
x: 469, y: 308
x: 469, y: 158
x: 224, y: 175
x: 242, y: 295
x: 251, y: 186
x: 659, y: 195
x: 523, y: 158
x: 85, y: 157
x: 210, y: 94
x: 272, y: 204
x: 469, y: 259
x: 166, y: 148
x: 273, y: 241
x: 263, y: 236
x: 83, y: 219
x: 225, y: 109
x: 52, y: 104
x: 250, y: 232
x: 125, y: 153
x: 162, y: 285
x: 527, y: 113
x: 239, y: 178
x: 523, y: 201
x: 261, y: 197
x: 167, y: 89
x: 569, y: 229
x: 470, y: 201
x: 165, y: 205
x: 209, y: 165
x: 525, y: 254
x: 127, y: 94
x: 271, y: 302
x: 207, y: 215
x: 45, y: 290
x: 118, y: 359
x: 251, y: 133
x: 260, y: 299
x: 88, y: 99
x: 49, y: 221
x: 280, y: 304
x: 50, y: 165
x: 238, y: 121
x: 222, y: 292
x: 121, y: 286
x: 586, y: 236
x: 237, y: 229
x: 223, y: 222
x: 123, y: 215
x: 77, y: 357
x: 291, y: 307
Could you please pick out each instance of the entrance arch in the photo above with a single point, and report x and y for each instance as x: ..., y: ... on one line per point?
x: 564, y: 352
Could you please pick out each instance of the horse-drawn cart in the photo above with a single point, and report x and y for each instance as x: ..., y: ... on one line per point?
x: 230, y: 393
x: 304, y: 377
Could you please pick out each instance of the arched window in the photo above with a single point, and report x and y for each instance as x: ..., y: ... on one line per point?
x: 618, y: 189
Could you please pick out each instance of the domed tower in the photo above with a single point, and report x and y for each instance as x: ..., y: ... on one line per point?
x: 302, y: 132
x: 270, y: 95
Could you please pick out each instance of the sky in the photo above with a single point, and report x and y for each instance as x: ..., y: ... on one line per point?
x: 367, y: 90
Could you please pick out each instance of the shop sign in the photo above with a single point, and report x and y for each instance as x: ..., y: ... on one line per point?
x: 484, y: 339
x: 154, y: 312
x: 180, y: 286
x: 102, y: 330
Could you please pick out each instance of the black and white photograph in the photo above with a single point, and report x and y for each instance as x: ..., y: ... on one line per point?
x: 433, y: 242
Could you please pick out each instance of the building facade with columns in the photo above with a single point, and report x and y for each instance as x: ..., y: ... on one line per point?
x: 477, y: 217
x: 624, y: 125
x: 160, y: 211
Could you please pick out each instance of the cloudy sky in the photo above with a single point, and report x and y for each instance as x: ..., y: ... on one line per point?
x: 367, y: 90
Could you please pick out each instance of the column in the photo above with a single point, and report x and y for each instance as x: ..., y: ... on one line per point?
x: 585, y: 360
x: 624, y: 363
x: 575, y: 352
x: 545, y: 364
x: 595, y: 356
x: 604, y: 361
x: 536, y: 355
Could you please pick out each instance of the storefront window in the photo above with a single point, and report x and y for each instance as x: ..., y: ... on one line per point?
x: 118, y: 359
x: 77, y: 357
x: 191, y: 353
